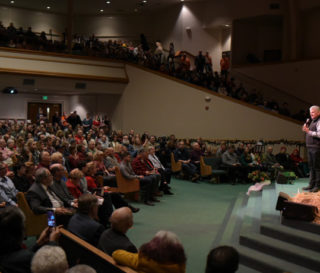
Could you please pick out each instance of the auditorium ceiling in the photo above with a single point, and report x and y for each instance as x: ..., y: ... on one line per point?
x: 95, y: 6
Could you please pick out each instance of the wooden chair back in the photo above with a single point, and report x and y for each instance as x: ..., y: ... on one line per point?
x: 129, y: 187
x: 175, y: 166
x: 80, y: 252
x: 205, y: 170
x: 34, y: 224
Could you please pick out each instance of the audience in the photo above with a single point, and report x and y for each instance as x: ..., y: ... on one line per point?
x: 41, y: 167
x: 223, y: 259
x: 13, y: 256
x: 176, y: 64
x: 49, y: 259
x: 164, y: 253
x: 115, y: 237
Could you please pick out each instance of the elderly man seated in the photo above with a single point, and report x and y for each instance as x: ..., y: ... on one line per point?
x: 84, y: 223
x: 8, y: 191
x: 115, y: 237
x: 231, y: 161
x: 182, y: 155
x: 42, y: 198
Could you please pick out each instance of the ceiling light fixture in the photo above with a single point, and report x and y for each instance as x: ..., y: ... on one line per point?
x: 11, y: 2
x: 144, y: 1
x: 181, y: 0
x: 101, y: 10
x: 108, y: 2
x: 48, y: 7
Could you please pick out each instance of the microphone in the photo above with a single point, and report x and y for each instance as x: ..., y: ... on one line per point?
x: 308, y: 122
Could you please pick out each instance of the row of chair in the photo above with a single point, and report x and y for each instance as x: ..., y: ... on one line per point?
x: 208, y: 167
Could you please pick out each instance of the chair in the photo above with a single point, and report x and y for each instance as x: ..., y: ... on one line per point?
x: 34, y: 224
x: 175, y: 166
x: 212, y: 168
x: 80, y: 252
x: 126, y: 186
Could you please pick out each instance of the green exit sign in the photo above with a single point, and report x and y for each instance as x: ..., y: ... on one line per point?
x: 45, y: 97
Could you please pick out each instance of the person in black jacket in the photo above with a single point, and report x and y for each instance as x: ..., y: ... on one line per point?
x: 312, y: 130
x: 83, y: 223
x: 41, y: 198
x: 115, y: 237
x: 13, y: 257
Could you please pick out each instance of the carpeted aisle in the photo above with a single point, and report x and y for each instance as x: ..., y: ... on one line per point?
x: 195, y: 213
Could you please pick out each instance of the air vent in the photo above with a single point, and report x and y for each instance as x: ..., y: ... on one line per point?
x: 274, y: 6
x: 80, y: 85
x: 28, y: 82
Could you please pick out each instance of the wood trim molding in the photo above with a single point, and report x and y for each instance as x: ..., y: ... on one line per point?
x: 210, y: 92
x: 145, y: 69
x: 58, y: 61
x: 63, y: 75
x: 64, y: 55
x: 95, y: 250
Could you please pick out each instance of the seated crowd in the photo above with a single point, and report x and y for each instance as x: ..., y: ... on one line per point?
x: 171, y: 62
x: 164, y: 253
x: 68, y: 166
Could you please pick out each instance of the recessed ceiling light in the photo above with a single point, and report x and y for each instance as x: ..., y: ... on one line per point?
x: 181, y: 0
x: 227, y: 25
x: 48, y: 7
x: 11, y: 2
x: 144, y: 1
x: 108, y: 2
x: 101, y: 10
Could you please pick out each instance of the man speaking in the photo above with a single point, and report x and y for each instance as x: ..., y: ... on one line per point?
x: 312, y: 130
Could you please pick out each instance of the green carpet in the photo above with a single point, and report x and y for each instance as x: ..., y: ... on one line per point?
x: 195, y: 213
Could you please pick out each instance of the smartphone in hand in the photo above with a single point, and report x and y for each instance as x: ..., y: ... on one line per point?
x: 51, y: 218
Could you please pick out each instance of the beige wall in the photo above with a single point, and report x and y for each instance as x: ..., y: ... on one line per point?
x: 39, y: 21
x: 16, y: 106
x: 300, y: 79
x: 162, y: 106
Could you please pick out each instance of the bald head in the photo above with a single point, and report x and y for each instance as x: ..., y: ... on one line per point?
x: 121, y: 219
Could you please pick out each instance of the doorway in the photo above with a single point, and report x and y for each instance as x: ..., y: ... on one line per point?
x: 48, y: 110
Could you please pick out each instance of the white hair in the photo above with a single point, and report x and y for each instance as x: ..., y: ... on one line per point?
x: 169, y: 236
x: 315, y: 107
x: 81, y: 268
x: 49, y: 259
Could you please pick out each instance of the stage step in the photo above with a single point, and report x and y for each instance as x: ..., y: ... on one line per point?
x: 294, y: 236
x: 227, y: 234
x: 268, y: 206
x: 245, y: 269
x: 301, y: 225
x: 282, y: 250
x: 252, y: 214
x: 268, y: 264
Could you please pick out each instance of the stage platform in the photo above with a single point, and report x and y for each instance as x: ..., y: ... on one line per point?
x: 265, y: 241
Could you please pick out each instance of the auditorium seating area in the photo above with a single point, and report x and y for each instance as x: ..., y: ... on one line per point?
x: 68, y: 141
x: 153, y: 56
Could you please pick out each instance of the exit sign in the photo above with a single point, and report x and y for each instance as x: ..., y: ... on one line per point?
x: 45, y: 97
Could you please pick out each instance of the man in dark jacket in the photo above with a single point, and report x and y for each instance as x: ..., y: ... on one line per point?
x: 312, y: 130
x: 115, y: 237
x: 83, y: 223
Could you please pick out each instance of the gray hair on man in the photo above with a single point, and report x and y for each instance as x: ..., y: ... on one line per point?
x: 315, y: 107
x: 81, y: 268
x: 49, y: 259
x: 41, y: 174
